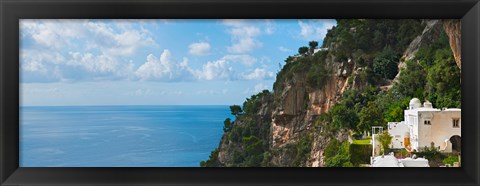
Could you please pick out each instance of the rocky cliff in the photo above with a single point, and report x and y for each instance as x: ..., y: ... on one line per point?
x: 283, y: 129
x: 453, y: 29
x: 430, y: 34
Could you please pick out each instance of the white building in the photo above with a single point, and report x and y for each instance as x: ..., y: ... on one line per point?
x: 392, y: 161
x: 398, y: 130
x: 425, y: 126
x: 319, y: 49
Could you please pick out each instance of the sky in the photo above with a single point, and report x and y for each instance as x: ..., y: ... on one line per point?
x: 156, y: 62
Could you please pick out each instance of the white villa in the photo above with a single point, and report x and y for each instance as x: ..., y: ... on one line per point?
x: 391, y: 161
x: 425, y: 126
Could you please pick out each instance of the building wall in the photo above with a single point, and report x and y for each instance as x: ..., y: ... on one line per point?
x: 440, y: 129
x: 425, y: 131
x: 397, y: 130
x: 422, y: 135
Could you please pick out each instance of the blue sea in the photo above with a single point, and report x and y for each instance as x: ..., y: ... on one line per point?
x: 119, y: 136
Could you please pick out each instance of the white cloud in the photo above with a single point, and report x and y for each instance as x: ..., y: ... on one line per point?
x: 283, y: 49
x: 247, y: 60
x: 212, y: 92
x: 164, y: 69
x: 234, y: 22
x: 143, y: 92
x: 256, y: 89
x: 243, y: 36
x: 269, y: 27
x: 92, y: 63
x: 118, y: 39
x: 260, y: 87
x: 258, y: 74
x: 55, y: 48
x: 200, y: 48
x: 52, y: 33
x: 219, y: 69
x: 39, y: 61
x: 315, y: 29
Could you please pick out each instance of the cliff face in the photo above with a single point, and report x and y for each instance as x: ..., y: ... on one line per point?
x: 453, y: 29
x: 430, y: 34
x: 298, y: 106
x: 228, y: 147
x: 285, y: 120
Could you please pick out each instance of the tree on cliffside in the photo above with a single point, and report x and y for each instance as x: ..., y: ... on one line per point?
x: 236, y: 109
x: 343, y: 117
x: 227, y: 125
x: 302, y: 50
x: 385, y: 64
x: 371, y: 115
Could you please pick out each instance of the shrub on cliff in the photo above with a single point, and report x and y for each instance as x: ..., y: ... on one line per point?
x: 360, y: 153
x: 303, y: 151
x: 212, y: 160
x: 338, y: 155
x: 343, y: 117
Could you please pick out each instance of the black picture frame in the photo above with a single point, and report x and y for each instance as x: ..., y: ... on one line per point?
x: 13, y: 10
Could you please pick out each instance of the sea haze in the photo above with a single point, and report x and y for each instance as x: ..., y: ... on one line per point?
x: 119, y: 136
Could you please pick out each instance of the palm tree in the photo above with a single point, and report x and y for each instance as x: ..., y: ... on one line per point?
x: 313, y: 45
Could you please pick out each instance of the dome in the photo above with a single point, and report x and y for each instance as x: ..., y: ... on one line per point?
x: 415, y: 101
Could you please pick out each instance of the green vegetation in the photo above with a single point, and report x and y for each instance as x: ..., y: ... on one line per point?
x: 371, y: 115
x: 432, y: 154
x: 361, y: 142
x: 315, y: 66
x: 250, y: 135
x: 227, y: 125
x: 303, y: 149
x: 394, y: 110
x: 212, y: 161
x: 412, y: 81
x: 360, y: 153
x: 342, y: 117
x: 252, y: 104
x: 313, y: 45
x: 236, y: 110
x: 302, y: 50
x: 337, y: 154
x: 385, y: 64
x: 450, y: 160
x: 432, y: 75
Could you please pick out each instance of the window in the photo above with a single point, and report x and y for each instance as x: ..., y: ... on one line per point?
x: 426, y: 122
x: 456, y: 123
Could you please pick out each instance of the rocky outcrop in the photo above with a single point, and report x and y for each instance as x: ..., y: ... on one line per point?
x: 298, y: 106
x: 227, y: 148
x: 453, y: 29
x: 430, y: 34
x: 320, y: 141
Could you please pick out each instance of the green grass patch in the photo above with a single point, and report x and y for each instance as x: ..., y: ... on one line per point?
x: 361, y: 142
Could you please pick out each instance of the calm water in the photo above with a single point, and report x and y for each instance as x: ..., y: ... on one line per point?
x: 113, y: 136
